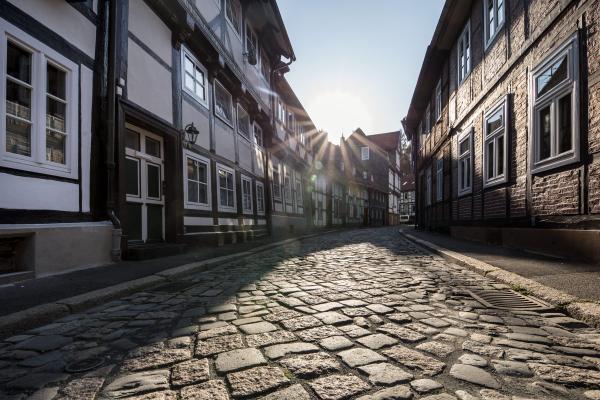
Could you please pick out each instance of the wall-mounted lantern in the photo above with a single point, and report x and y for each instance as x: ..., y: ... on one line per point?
x: 190, y: 134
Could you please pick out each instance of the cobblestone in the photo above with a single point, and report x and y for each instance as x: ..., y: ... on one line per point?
x: 362, y: 314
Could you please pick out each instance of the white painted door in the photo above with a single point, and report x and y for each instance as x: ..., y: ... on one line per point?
x: 144, y: 174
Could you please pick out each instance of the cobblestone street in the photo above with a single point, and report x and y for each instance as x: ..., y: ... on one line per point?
x: 360, y: 314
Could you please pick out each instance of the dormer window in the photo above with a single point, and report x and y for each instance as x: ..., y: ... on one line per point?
x: 364, y: 153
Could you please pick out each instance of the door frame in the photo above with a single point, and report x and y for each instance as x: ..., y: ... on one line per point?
x: 144, y: 159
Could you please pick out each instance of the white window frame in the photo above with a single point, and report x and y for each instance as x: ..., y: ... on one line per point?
x: 260, y: 197
x: 265, y: 66
x: 438, y: 100
x: 186, y: 53
x: 439, y: 179
x: 428, y: 186
x: 496, y: 26
x: 221, y: 167
x: 239, y: 114
x: 252, y: 32
x: 246, y: 196
x: 467, y: 157
x: 41, y: 55
x: 229, y: 3
x: 365, y: 153
x: 493, y: 137
x: 276, y: 182
x: 197, y: 158
x: 569, y: 86
x: 287, y: 187
x: 255, y: 127
x: 218, y: 85
x: 463, y: 74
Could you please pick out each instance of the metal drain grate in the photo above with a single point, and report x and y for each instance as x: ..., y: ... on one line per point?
x: 508, y: 300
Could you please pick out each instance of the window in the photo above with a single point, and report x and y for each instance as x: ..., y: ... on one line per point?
x: 260, y: 198
x: 439, y: 179
x: 197, y: 181
x: 555, y: 109
x: 290, y: 121
x: 494, y: 19
x: 287, y: 186
x: 258, y: 134
x: 252, y: 44
x: 280, y: 111
x: 465, y: 161
x: 243, y: 122
x: 365, y: 175
x: 226, y: 188
x: 233, y: 10
x: 364, y: 153
x: 438, y: 100
x: 194, y: 78
x: 246, y: 195
x: 495, y: 145
x: 276, y: 182
x: 223, y: 103
x: 427, y: 123
x: 464, y: 53
x: 265, y: 66
x: 38, y: 125
x: 299, y: 194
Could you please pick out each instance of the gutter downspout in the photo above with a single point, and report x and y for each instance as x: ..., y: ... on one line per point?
x: 110, y: 131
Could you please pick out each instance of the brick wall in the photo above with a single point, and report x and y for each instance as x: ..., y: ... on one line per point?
x: 555, y: 192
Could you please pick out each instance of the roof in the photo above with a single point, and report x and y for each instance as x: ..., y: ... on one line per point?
x: 387, y: 141
x: 450, y: 24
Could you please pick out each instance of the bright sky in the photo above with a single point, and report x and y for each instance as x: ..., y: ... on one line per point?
x: 357, y: 61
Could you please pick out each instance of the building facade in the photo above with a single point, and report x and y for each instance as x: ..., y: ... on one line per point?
x: 504, y: 121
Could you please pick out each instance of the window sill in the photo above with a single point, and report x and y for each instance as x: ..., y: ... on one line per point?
x: 490, y: 41
x: 465, y: 192
x: 227, y: 209
x: 197, y: 206
x: 38, y: 167
x: 495, y: 182
x: 192, y: 96
x: 224, y: 120
x: 554, y: 163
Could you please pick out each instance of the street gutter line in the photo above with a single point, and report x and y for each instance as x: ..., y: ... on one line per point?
x: 585, y: 310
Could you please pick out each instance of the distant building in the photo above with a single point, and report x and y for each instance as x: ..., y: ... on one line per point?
x: 504, y: 123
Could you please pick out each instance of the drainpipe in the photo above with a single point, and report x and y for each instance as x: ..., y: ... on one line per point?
x: 110, y: 131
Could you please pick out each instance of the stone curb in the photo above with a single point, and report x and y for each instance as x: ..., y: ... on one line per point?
x: 44, y: 313
x: 586, y: 311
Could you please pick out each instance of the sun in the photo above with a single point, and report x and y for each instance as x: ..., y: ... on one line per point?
x: 339, y: 112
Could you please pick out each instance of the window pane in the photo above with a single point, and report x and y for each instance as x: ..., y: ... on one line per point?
x: 18, y: 137
x: 464, y: 146
x: 55, y: 147
x: 230, y: 198
x: 192, y: 192
x: 18, y: 63
x: 132, y: 140
x: 495, y: 122
x: 56, y: 112
x: 152, y: 147
x: 202, y: 195
x: 500, y: 12
x: 222, y: 103
x: 500, y: 147
x: 153, y: 181
x: 229, y: 181
x: 544, y: 132
x: 189, y: 81
x: 552, y: 76
x: 489, y: 154
x: 491, y: 23
x: 223, y: 197
x: 56, y: 82
x: 18, y: 100
x: 188, y: 65
x: 565, y: 142
x: 222, y: 179
x: 132, y: 177
x: 468, y: 170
